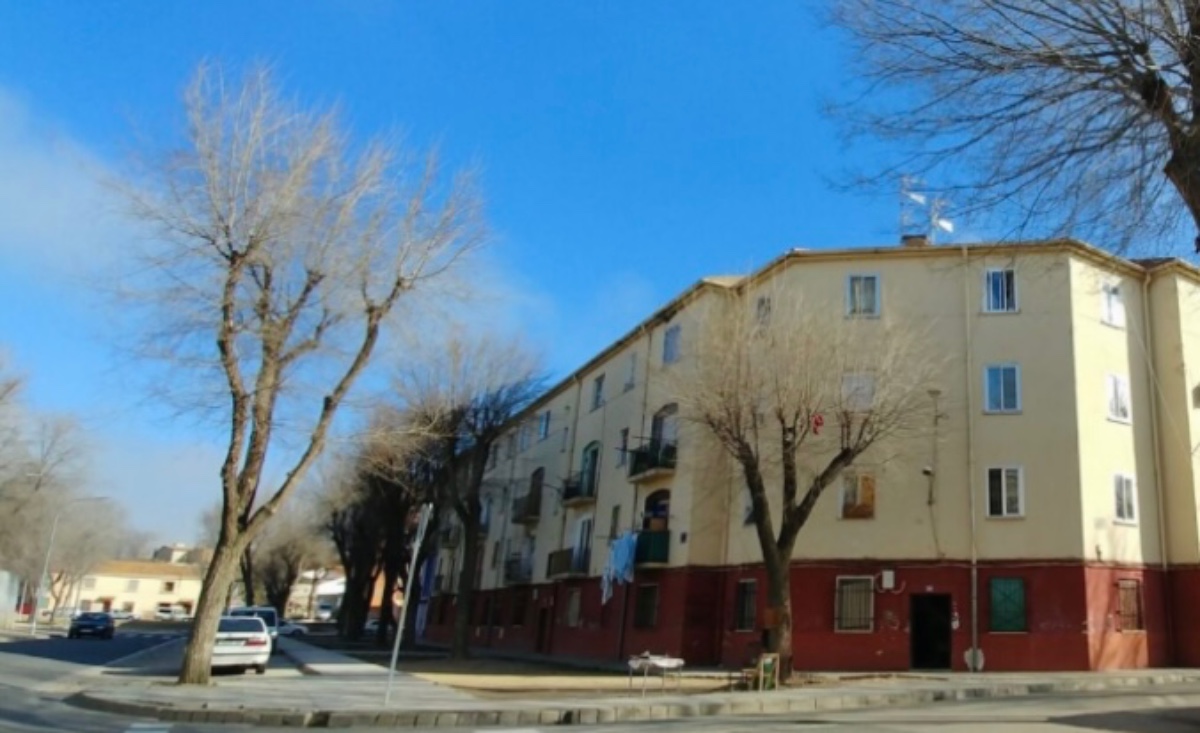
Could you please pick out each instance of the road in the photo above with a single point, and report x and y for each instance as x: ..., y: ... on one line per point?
x: 35, y: 675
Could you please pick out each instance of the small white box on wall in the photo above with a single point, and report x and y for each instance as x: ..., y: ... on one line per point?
x: 887, y: 579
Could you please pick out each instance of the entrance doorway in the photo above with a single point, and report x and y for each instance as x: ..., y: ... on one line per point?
x: 542, y: 645
x: 929, y: 630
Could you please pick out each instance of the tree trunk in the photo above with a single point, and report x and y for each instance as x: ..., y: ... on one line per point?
x: 466, y: 595
x: 779, y: 599
x: 197, y: 655
x: 249, y: 596
x: 387, y: 610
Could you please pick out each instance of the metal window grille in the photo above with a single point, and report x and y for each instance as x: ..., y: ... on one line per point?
x: 1129, y: 605
x: 746, y: 604
x: 645, y: 613
x: 1008, y: 604
x: 855, y: 604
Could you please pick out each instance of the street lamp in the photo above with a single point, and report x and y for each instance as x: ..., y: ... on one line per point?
x: 37, y: 596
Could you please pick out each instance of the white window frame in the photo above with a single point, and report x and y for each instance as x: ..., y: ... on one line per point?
x: 671, y: 344
x: 837, y: 599
x: 88, y: 583
x: 988, y: 305
x: 623, y: 450
x: 598, y: 392
x: 1124, y: 482
x: 631, y: 375
x: 1112, y: 305
x: 851, y: 311
x: 131, y: 586
x: 987, y: 390
x: 544, y: 425
x: 987, y: 492
x: 1117, y: 387
x: 523, y: 438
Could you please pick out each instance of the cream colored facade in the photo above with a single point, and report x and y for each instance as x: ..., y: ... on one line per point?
x: 1098, y: 438
x: 140, y: 587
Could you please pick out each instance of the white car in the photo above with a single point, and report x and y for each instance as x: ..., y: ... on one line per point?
x: 242, y: 641
x: 291, y: 628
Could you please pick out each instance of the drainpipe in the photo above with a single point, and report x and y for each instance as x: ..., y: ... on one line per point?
x: 633, y: 490
x: 1159, y: 489
x: 973, y: 665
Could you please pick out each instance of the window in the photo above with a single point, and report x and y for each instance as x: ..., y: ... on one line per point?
x: 747, y: 507
x: 127, y: 607
x: 589, y: 473
x: 858, y: 392
x: 614, y: 523
x: 858, y: 496
x: 1112, y: 306
x: 854, y: 604
x: 631, y: 374
x: 1006, y: 494
x: 623, y: 451
x: 598, y: 392
x: 1002, y: 388
x: 495, y: 554
x: 671, y: 345
x: 494, y: 456
x: 1000, y: 288
x: 1126, y: 498
x: 645, y: 611
x: 862, y: 295
x: 510, y: 446
x: 131, y: 586
x: 1118, y: 398
x: 544, y: 425
x: 574, y: 601
x: 89, y: 584
x: 523, y: 438
x: 566, y: 440
x: 745, y: 606
x: 168, y: 586
x: 762, y: 310
x: 1129, y: 605
x: 1007, y: 605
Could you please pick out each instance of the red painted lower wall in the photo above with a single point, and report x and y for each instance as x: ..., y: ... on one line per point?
x: 1072, y: 618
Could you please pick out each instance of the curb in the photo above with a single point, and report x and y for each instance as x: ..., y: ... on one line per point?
x: 752, y: 705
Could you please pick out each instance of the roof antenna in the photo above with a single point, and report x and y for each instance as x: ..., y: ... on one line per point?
x: 920, y: 215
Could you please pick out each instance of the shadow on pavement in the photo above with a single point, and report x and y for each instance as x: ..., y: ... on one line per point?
x: 1160, y: 720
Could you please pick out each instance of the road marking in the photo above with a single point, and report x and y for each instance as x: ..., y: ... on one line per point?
x: 148, y: 728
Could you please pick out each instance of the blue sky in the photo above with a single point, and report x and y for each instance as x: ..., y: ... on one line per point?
x: 626, y: 150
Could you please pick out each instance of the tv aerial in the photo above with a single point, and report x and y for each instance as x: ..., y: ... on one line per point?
x: 921, y: 215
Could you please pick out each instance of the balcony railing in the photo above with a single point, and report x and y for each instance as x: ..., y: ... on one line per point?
x: 568, y: 562
x: 443, y: 584
x: 518, y: 570
x: 654, y: 458
x: 653, y: 548
x: 527, y: 509
x: 579, y: 489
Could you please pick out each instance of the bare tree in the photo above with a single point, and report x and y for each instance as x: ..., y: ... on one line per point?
x: 88, y: 534
x: 464, y: 398
x: 282, y: 551
x: 795, y: 402
x: 1073, y: 117
x: 280, y: 253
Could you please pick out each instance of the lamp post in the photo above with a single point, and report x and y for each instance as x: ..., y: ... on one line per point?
x: 37, y: 596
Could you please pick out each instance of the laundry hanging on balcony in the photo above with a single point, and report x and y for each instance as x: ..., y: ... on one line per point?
x: 619, y: 569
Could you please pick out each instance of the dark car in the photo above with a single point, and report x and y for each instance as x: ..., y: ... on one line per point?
x: 91, y: 624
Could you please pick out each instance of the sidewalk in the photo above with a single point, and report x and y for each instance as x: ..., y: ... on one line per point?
x: 323, y: 699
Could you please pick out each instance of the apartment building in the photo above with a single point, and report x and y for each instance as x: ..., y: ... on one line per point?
x: 1048, y: 519
x: 140, y: 587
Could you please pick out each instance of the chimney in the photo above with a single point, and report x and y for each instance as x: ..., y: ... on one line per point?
x: 914, y: 240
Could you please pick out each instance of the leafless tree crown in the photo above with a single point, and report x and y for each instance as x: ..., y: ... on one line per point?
x: 1058, y: 116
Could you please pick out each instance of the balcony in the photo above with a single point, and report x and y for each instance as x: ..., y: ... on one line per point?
x: 655, y: 458
x: 448, y: 537
x: 578, y: 490
x: 568, y: 564
x: 517, y: 570
x: 527, y: 509
x: 443, y: 585
x: 653, y: 548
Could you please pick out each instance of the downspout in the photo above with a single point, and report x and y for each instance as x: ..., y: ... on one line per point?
x: 1159, y: 489
x: 633, y: 490
x: 974, y: 653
